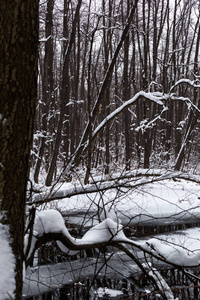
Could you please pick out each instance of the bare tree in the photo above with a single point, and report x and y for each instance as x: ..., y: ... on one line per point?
x: 47, y: 84
x: 63, y: 96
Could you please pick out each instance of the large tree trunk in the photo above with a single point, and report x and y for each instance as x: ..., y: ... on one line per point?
x: 18, y: 90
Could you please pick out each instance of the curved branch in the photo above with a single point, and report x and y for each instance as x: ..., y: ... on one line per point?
x: 106, y: 233
x: 83, y: 146
x: 189, y: 82
x: 155, y: 97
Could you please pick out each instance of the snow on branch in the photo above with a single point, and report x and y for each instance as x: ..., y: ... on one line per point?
x: 45, y: 39
x: 173, y: 254
x: 161, y: 283
x: 127, y: 180
x: 153, y: 97
x: 114, y: 183
x: 49, y: 225
x: 151, y: 123
x: 156, y: 97
x: 192, y: 83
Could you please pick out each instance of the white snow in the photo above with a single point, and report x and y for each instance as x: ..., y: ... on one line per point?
x: 103, y: 232
x: 163, y: 201
x: 183, y: 253
x: 101, y: 292
x: 181, y: 248
x: 162, y: 284
x: 159, y: 202
x: 63, y: 39
x: 51, y: 221
x: 45, y: 39
x: 48, y: 221
x: 153, y: 97
x: 108, y: 212
x: 7, y: 265
x: 185, y: 81
x: 167, y: 201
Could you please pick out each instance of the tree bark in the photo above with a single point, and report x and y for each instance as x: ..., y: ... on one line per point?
x: 193, y: 117
x: 125, y: 97
x: 63, y: 94
x: 18, y: 90
x: 47, y: 83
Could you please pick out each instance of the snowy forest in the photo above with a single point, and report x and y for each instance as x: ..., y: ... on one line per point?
x: 99, y: 161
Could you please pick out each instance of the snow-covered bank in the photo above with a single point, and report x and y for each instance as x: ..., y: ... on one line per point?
x: 163, y: 202
x: 7, y: 265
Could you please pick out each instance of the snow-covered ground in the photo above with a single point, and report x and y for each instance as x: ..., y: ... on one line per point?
x: 7, y: 265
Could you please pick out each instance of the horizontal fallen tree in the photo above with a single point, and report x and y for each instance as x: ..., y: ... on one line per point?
x: 129, y: 179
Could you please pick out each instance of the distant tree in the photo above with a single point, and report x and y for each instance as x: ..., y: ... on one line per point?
x: 47, y: 84
x: 64, y: 95
x: 18, y: 90
x: 126, y: 87
x: 193, y: 116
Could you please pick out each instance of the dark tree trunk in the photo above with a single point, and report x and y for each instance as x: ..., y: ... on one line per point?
x: 146, y: 135
x: 75, y: 160
x: 47, y: 83
x: 126, y: 95
x: 107, y: 50
x: 63, y: 95
x: 18, y: 90
x: 193, y: 117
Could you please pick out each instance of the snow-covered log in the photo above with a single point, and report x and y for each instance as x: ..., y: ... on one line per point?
x: 50, y: 225
x: 131, y: 179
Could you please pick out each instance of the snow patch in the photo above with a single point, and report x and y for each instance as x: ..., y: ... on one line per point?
x: 49, y: 221
x: 173, y: 253
x: 7, y: 265
x: 103, y: 232
x: 101, y: 292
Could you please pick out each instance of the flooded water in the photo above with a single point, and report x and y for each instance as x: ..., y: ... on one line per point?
x: 119, y: 278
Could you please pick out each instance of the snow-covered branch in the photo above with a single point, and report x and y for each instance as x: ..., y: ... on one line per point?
x: 155, y: 97
x: 161, y: 283
x: 50, y: 225
x: 189, y: 82
x: 127, y: 180
x: 114, y: 183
